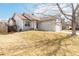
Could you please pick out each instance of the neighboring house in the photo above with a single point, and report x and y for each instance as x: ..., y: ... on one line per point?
x: 3, y: 27
x: 29, y: 21
x: 69, y: 24
x: 66, y: 25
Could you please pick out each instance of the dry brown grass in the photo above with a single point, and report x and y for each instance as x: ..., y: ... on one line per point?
x: 39, y: 43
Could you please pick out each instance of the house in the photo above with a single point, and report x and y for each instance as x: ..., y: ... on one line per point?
x: 23, y: 22
x: 29, y: 21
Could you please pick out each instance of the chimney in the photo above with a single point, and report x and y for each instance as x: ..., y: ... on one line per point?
x: 32, y: 14
x: 23, y: 14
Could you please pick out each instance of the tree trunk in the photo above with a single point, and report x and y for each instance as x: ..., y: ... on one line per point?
x: 73, y: 25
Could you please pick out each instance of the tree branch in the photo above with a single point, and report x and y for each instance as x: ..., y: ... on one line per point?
x: 62, y: 11
x: 77, y: 7
x: 72, y: 8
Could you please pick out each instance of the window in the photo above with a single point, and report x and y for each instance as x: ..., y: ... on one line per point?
x: 27, y: 24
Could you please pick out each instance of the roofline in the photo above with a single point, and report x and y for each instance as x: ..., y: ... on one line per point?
x: 34, y: 19
x: 29, y: 19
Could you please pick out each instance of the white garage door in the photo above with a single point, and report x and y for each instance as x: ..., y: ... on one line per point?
x: 47, y: 25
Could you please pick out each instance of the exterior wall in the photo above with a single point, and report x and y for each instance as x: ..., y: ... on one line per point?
x: 63, y: 24
x: 51, y: 25
x: 25, y: 27
x: 58, y: 25
x: 11, y: 23
x: 19, y: 23
x: 33, y: 24
x: 47, y: 25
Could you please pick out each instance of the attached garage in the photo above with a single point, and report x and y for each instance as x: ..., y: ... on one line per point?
x: 47, y: 25
x: 50, y: 24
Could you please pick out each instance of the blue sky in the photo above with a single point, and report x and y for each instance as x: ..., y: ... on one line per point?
x: 7, y: 9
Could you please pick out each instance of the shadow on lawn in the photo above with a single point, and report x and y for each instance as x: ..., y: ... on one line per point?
x: 55, y: 42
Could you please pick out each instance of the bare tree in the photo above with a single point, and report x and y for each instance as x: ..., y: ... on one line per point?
x: 46, y: 9
x: 74, y: 9
x: 58, y: 9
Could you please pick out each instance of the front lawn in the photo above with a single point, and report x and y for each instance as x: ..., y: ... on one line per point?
x: 39, y: 43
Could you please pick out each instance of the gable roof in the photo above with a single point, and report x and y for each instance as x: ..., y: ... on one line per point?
x: 11, y: 19
x: 21, y: 16
x: 31, y: 17
x: 48, y: 18
x: 27, y: 16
